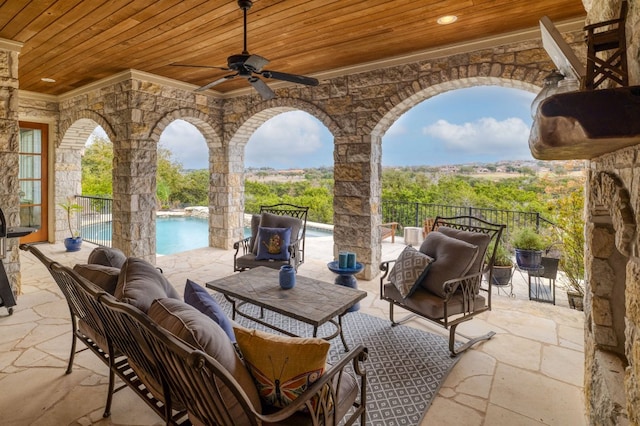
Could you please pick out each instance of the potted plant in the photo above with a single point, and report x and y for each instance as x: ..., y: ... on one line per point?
x: 528, y: 245
x: 74, y: 242
x: 502, y: 265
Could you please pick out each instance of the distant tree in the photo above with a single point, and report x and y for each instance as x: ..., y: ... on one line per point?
x: 97, y: 168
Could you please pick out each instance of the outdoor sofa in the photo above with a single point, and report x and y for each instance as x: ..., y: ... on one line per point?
x: 182, y: 359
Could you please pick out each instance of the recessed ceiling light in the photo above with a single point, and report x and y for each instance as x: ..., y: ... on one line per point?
x: 447, y: 19
x: 48, y: 80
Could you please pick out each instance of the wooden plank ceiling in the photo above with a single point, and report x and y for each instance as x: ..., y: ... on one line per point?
x: 76, y: 42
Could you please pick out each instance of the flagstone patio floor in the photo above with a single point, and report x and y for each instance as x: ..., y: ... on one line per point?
x: 530, y: 373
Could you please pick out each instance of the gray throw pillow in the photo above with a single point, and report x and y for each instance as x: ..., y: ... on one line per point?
x: 255, y: 224
x: 270, y: 220
x: 107, y: 256
x: 479, y: 239
x: 453, y: 258
x: 409, y: 270
x: 201, y: 332
x: 105, y: 277
x: 140, y: 283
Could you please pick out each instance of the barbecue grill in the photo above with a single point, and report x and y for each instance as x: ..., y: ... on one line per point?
x: 6, y: 295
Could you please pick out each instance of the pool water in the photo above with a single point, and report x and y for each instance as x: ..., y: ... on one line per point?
x: 178, y: 234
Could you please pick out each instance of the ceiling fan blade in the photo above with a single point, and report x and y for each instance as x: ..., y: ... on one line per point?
x: 262, y: 88
x: 255, y: 62
x: 300, y: 79
x: 214, y: 83
x: 199, y: 66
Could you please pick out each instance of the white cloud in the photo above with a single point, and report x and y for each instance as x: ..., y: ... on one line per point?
x: 289, y: 140
x: 486, y: 135
x: 186, y: 144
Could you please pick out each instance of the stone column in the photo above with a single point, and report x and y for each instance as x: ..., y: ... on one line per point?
x: 134, y: 176
x: 9, y: 148
x: 356, y: 200
x: 226, y: 197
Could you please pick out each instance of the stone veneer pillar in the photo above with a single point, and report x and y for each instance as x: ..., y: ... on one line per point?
x: 9, y: 148
x: 612, y: 263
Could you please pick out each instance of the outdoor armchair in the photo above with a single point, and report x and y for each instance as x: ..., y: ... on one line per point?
x: 442, y: 281
x: 277, y: 238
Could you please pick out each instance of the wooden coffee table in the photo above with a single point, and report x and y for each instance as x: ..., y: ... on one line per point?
x: 310, y: 301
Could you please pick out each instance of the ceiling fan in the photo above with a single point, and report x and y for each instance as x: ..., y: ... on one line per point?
x: 250, y: 67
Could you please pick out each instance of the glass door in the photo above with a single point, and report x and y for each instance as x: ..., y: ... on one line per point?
x: 33, y: 180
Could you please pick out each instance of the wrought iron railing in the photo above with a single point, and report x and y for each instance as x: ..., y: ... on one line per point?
x: 414, y: 214
x: 94, y: 220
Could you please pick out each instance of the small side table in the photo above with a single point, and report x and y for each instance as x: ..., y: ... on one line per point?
x: 346, y: 278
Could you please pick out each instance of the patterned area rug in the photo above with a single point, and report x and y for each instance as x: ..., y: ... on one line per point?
x: 405, y: 368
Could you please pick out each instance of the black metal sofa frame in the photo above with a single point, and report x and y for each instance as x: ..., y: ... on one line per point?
x: 461, y: 302
x: 187, y: 381
x: 246, y: 259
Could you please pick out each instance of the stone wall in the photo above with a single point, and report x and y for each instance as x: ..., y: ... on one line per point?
x: 9, y: 145
x: 612, y: 260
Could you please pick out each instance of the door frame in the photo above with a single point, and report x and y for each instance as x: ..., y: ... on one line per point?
x: 43, y: 233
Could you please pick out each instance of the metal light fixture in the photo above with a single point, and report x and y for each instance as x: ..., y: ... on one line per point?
x: 549, y: 88
x: 447, y: 19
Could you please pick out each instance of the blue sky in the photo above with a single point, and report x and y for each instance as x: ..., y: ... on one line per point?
x: 477, y: 124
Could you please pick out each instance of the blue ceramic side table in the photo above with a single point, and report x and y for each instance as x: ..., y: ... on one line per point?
x: 346, y: 278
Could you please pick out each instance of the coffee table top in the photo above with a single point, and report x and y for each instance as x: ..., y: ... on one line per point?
x: 311, y: 301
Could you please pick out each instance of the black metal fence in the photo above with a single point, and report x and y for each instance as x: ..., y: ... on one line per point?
x: 94, y: 220
x: 414, y: 214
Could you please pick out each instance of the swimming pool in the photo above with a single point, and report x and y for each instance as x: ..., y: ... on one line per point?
x: 179, y: 233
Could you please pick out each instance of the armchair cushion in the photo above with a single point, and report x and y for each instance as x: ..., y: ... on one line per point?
x: 140, y: 283
x: 270, y: 220
x: 282, y: 367
x: 453, y: 258
x: 198, y: 330
x: 105, y: 277
x: 107, y: 256
x: 273, y: 243
x: 255, y: 224
x: 476, y: 238
x: 198, y: 297
x: 409, y: 270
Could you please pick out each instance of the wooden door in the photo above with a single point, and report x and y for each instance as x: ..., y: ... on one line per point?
x: 33, y: 180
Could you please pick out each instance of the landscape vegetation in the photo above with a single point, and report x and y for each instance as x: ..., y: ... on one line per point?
x: 555, y: 190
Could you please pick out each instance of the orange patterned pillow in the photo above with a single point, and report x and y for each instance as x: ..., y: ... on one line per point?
x: 282, y: 367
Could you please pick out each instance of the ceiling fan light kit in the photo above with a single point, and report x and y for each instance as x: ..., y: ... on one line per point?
x: 250, y: 66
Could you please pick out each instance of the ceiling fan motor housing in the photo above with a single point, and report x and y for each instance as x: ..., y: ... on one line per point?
x: 235, y: 62
x: 245, y: 4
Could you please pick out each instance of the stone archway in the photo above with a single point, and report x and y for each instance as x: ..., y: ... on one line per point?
x: 231, y: 173
x: 611, y: 271
x: 67, y: 174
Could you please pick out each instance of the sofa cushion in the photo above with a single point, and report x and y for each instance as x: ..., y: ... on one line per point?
x: 431, y: 305
x: 479, y: 239
x: 273, y: 243
x: 105, y: 277
x: 201, y: 332
x: 140, y: 283
x: 198, y: 297
x: 107, y: 256
x: 282, y: 367
x: 270, y: 220
x: 409, y: 270
x: 452, y: 259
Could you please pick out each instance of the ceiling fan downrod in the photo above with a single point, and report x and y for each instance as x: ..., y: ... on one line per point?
x: 245, y: 5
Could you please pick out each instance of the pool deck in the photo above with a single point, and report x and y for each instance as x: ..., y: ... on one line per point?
x: 529, y: 373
